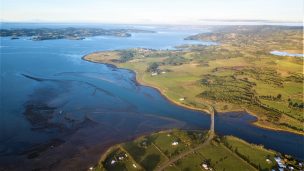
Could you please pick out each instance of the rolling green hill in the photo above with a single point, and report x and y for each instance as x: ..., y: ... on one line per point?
x: 239, y: 73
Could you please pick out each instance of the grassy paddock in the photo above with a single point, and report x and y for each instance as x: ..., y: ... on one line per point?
x: 222, y: 153
x: 240, y: 73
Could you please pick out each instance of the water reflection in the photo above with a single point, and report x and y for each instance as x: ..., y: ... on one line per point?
x: 279, y: 53
x: 60, y: 112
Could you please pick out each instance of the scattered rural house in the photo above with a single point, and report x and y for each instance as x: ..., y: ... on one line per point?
x: 144, y: 144
x: 154, y: 73
x: 113, y: 162
x: 206, y: 167
x: 268, y: 161
x: 291, y: 168
x: 91, y: 168
x: 280, y: 163
x: 277, y: 159
x: 163, y: 72
x: 134, y: 165
x: 144, y: 49
x: 168, y: 135
x: 121, y: 156
x: 181, y: 99
x: 175, y: 143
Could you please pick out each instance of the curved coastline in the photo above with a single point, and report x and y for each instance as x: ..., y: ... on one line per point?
x: 108, y: 150
x: 205, y: 111
x: 137, y: 81
x: 257, y: 124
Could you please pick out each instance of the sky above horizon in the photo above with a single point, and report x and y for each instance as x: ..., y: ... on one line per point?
x: 150, y: 11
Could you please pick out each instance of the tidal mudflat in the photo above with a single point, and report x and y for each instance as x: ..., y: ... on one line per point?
x: 61, y: 112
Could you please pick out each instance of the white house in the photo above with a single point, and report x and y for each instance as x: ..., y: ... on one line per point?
x: 279, y: 161
x: 205, y: 166
x: 113, y: 162
x: 175, y: 143
x: 154, y: 74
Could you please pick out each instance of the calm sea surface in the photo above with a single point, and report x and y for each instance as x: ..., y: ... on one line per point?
x: 58, y: 110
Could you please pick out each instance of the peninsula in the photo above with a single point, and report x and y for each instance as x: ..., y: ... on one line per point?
x: 67, y: 33
x: 192, y: 150
x: 239, y: 73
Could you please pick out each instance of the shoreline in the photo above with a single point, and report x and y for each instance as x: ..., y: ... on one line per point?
x: 141, y: 82
x: 172, y: 159
x: 146, y: 84
x: 105, y: 154
x: 108, y: 150
x: 257, y: 124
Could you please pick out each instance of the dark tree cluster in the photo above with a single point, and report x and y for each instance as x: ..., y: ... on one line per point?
x: 153, y: 67
x: 126, y: 56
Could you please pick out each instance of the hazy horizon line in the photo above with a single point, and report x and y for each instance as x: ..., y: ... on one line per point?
x: 200, y: 22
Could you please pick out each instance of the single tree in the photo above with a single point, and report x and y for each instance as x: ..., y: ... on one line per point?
x: 290, y: 103
x: 279, y: 96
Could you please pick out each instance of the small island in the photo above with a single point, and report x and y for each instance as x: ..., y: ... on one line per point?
x: 67, y: 33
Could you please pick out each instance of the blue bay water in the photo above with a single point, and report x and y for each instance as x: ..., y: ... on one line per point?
x: 89, y: 106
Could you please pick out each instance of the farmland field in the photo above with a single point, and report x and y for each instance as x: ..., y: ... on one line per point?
x: 221, y: 153
x: 237, y: 74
